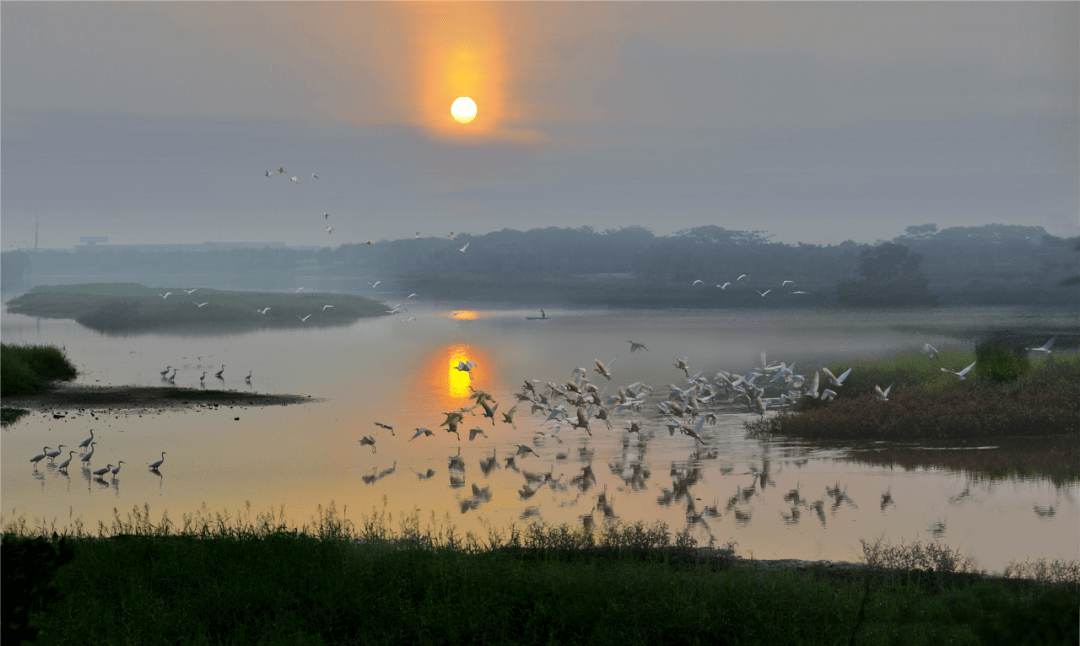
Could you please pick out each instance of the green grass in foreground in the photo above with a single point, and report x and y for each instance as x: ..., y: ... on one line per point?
x: 228, y: 580
x: 130, y: 307
x: 27, y: 369
x: 927, y: 404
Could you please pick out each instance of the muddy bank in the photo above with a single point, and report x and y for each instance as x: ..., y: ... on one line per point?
x: 63, y: 397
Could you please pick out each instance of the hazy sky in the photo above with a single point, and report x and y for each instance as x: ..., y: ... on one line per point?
x: 155, y: 122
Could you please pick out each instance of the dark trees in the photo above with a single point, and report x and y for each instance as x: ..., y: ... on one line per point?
x: 889, y: 277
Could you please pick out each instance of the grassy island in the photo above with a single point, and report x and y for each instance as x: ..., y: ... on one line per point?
x: 1012, y: 415
x: 127, y: 307
x: 236, y: 580
x: 28, y: 370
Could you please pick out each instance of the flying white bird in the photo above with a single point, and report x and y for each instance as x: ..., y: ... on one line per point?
x: 329, y: 230
x: 462, y: 250
x: 786, y: 282
x: 421, y: 431
x: 281, y: 171
x: 326, y: 306
x: 697, y: 281
x: 268, y: 173
x: 928, y: 349
x: 375, y: 284
x: 199, y: 305
x: 315, y: 176
x: 409, y: 296
x: 294, y: 180
x: 366, y: 441
x: 741, y: 277
x: 389, y: 427
x: 189, y: 292
x: 724, y: 286
x: 165, y: 295
x: 635, y: 346
x: 452, y: 236
x: 882, y: 395
x: 961, y: 373
x: 326, y: 216
x: 303, y: 319
x: 833, y: 379
x: 1045, y: 347
x: 465, y: 366
x: 417, y: 236
x: 764, y: 292
x: 524, y: 449
x: 263, y: 311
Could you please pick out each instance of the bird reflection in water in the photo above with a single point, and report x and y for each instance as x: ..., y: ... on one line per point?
x: 479, y: 496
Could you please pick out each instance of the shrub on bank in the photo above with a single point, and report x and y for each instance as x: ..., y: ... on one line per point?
x: 26, y: 369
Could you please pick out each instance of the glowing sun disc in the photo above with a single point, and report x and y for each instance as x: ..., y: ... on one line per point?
x: 463, y: 110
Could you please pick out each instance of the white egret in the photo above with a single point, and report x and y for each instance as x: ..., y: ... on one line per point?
x: 155, y: 465
x: 172, y: 377
x: 410, y: 296
x: 603, y: 369
x: 103, y: 470
x: 199, y: 305
x: 929, y: 350
x: 263, y: 311
x: 1045, y: 347
x: 329, y: 230
x: 696, y: 282
x: 462, y: 250
x: 85, y: 443
x: 508, y: 418
x: 724, y: 286
x: 366, y: 441
x: 64, y: 465
x: 389, y: 427
x: 421, y: 431
x: 417, y: 236
x: 882, y: 395
x: 452, y: 236
x: 268, y: 173
x: 525, y: 449
x: 189, y: 292
x: 326, y: 306
x: 833, y: 379
x: 465, y: 366
x: 248, y: 377
x: 165, y: 295
x: 89, y: 454
x: 202, y: 379
x: 116, y: 469
x: 473, y: 432
x: 375, y: 284
x: 41, y: 456
x: 764, y: 292
x: 635, y: 346
x: 52, y: 454
x: 326, y: 216
x: 164, y: 373
x: 828, y: 395
x: 303, y: 319
x: 220, y: 372
x: 741, y: 277
x: 281, y: 171
x: 681, y: 365
x: 960, y: 373
x: 294, y: 181
x: 786, y: 282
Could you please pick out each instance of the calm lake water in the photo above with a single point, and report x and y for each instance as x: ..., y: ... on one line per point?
x: 396, y: 371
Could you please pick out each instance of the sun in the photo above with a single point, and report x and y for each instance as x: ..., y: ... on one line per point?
x: 463, y: 110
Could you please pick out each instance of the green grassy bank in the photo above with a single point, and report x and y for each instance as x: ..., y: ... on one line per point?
x: 231, y: 581
x: 27, y: 369
x: 928, y: 404
x: 127, y: 307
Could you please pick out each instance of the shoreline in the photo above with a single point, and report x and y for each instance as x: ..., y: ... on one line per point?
x: 76, y: 396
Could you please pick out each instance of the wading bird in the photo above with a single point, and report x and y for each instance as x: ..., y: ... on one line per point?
x: 116, y: 469
x: 248, y: 377
x: 681, y: 365
x: 41, y: 456
x: 202, y: 379
x: 164, y: 373
x: 89, y: 454
x: 220, y: 372
x: 52, y: 454
x: 64, y: 465
x: 85, y: 443
x: 103, y: 470
x: 156, y: 465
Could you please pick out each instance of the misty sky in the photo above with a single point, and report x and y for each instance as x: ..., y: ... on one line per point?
x: 155, y: 122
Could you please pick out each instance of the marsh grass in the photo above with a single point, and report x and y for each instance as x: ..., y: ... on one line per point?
x: 1043, y: 401
x: 238, y: 579
x: 127, y: 307
x: 27, y: 369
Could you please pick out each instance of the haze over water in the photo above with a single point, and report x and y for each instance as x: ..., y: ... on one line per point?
x: 396, y: 371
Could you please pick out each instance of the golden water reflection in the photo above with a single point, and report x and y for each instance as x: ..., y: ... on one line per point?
x: 449, y: 388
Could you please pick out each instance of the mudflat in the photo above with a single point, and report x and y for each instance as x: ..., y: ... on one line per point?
x: 75, y: 396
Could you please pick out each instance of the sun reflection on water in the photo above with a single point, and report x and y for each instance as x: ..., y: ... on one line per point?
x: 448, y: 388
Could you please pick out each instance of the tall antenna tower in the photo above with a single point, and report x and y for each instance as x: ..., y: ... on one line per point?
x: 36, y: 225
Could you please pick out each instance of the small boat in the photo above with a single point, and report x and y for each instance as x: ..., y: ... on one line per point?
x: 542, y: 317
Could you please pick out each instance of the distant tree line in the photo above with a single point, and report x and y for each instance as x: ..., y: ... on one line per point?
x: 986, y: 264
